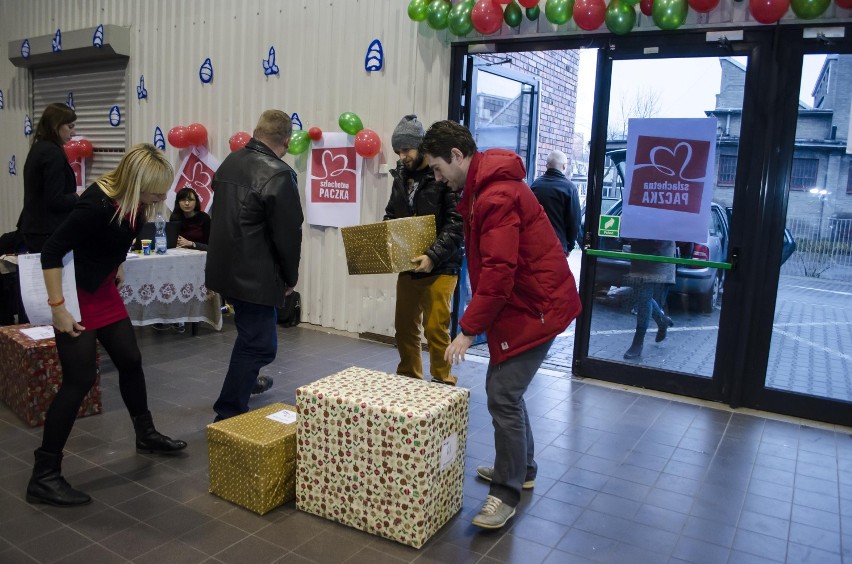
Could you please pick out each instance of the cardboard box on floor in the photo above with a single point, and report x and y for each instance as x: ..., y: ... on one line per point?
x: 382, y: 453
x: 387, y: 246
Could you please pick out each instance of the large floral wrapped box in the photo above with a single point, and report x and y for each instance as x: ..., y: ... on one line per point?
x: 253, y: 457
x: 387, y: 246
x: 30, y: 376
x: 382, y: 453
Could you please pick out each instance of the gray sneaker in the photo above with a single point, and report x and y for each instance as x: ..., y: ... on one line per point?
x: 493, y: 514
x: 485, y: 473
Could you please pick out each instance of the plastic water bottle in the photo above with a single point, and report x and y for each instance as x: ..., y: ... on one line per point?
x: 160, y: 236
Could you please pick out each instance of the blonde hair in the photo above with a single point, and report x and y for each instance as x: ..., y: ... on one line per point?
x: 274, y: 126
x: 142, y: 169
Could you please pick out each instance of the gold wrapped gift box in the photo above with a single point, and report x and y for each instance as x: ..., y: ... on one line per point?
x: 387, y: 246
x: 253, y: 459
x: 382, y: 453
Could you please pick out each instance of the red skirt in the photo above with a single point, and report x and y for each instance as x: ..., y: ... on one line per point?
x: 102, y: 307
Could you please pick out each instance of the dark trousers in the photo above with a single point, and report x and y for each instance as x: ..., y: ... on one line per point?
x: 514, y: 458
x: 255, y: 347
x: 650, y: 298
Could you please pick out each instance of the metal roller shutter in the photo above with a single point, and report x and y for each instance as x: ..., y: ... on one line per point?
x: 95, y: 89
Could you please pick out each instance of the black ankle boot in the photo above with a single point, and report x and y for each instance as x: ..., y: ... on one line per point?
x: 148, y: 439
x: 48, y: 486
x: 635, y: 350
x: 663, y: 324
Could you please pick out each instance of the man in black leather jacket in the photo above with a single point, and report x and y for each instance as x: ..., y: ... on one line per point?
x: 254, y: 250
x: 424, y: 295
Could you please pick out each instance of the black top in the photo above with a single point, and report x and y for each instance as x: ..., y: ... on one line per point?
x: 49, y: 192
x: 558, y: 196
x: 99, y: 241
x: 195, y: 228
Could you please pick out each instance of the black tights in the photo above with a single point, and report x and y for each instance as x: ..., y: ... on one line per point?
x: 77, y: 355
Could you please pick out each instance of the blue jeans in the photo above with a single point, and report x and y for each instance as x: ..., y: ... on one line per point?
x: 255, y: 347
x: 650, y: 296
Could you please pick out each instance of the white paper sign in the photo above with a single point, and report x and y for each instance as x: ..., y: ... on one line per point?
x: 39, y: 333
x: 34, y: 292
x: 196, y: 171
x: 284, y: 416
x: 333, y: 187
x: 449, y: 449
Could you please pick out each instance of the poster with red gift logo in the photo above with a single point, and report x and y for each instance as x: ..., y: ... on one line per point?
x: 668, y: 185
x: 334, y: 182
x: 196, y: 171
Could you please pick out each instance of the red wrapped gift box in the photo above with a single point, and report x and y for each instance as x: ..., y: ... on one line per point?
x: 30, y: 376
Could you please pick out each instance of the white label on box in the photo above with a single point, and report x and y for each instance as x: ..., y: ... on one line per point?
x: 284, y: 416
x: 39, y: 333
x: 449, y: 449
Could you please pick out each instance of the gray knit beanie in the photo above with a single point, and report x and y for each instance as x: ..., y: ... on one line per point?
x: 408, y: 134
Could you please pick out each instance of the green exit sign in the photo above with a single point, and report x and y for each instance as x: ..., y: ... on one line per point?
x: 609, y: 226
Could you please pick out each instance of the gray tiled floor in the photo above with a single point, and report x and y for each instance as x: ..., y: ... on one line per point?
x: 624, y: 477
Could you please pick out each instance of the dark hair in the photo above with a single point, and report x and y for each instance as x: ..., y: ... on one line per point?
x: 53, y: 117
x: 444, y: 136
x: 182, y: 194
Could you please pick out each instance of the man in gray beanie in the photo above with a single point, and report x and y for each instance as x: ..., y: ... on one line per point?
x: 423, y: 295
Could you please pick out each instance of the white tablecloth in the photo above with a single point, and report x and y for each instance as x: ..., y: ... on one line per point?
x: 169, y: 288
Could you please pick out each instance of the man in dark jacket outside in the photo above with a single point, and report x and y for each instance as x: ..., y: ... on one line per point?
x: 523, y: 297
x: 254, y: 250
x: 558, y: 196
x: 424, y: 295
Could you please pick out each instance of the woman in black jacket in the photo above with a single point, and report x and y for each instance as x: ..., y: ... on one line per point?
x: 49, y: 182
x: 100, y: 229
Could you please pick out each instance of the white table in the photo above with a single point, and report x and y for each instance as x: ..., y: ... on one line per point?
x: 169, y: 289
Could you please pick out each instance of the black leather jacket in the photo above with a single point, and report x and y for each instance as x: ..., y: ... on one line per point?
x: 256, y: 228
x: 431, y: 198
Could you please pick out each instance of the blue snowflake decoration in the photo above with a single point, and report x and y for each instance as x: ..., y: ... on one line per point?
x: 13, y: 169
x: 375, y: 59
x: 28, y: 125
x: 56, y: 42
x: 159, y: 140
x: 269, y: 66
x: 114, y: 116
x: 205, y: 73
x: 70, y: 101
x: 25, y: 49
x: 98, y: 37
x: 141, y: 91
x: 2, y: 102
x: 295, y: 120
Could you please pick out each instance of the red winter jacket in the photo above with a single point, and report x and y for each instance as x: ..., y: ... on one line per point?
x: 523, y: 291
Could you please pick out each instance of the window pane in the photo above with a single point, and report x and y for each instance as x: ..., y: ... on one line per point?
x: 727, y: 169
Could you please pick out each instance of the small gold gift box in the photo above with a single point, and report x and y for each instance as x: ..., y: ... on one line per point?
x: 387, y: 246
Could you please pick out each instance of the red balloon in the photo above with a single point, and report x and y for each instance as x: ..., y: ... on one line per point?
x: 528, y: 3
x: 768, y: 11
x: 238, y: 140
x: 845, y: 4
x: 502, y: 1
x: 85, y: 148
x: 703, y: 6
x: 72, y: 150
x: 315, y: 133
x: 589, y: 14
x: 178, y: 137
x: 196, y: 134
x: 486, y: 17
x: 367, y: 143
x: 646, y: 6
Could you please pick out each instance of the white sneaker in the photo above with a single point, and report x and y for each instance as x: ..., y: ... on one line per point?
x: 485, y: 472
x: 494, y: 514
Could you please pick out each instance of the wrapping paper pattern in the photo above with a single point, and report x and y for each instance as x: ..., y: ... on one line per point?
x: 382, y: 453
x: 387, y: 246
x: 30, y: 376
x: 253, y: 459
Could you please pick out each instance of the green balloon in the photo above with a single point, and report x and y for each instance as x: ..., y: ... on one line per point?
x: 533, y: 13
x: 630, y: 2
x: 417, y: 10
x: 809, y: 9
x: 669, y: 14
x: 436, y: 14
x: 299, y: 142
x: 620, y: 16
x: 459, y: 18
x: 513, y: 15
x: 558, y: 11
x: 350, y: 123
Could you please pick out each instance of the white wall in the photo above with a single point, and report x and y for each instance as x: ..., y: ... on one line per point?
x: 320, y: 48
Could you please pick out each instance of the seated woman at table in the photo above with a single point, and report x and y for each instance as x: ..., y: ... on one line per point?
x: 195, y: 224
x: 100, y: 228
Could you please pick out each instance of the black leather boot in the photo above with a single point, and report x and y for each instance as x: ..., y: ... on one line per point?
x: 635, y: 350
x: 48, y: 486
x: 663, y: 324
x: 148, y: 439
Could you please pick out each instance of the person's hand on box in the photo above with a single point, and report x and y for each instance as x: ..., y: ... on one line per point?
x: 422, y: 264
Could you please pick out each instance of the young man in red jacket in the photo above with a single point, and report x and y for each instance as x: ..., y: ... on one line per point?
x: 523, y: 297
